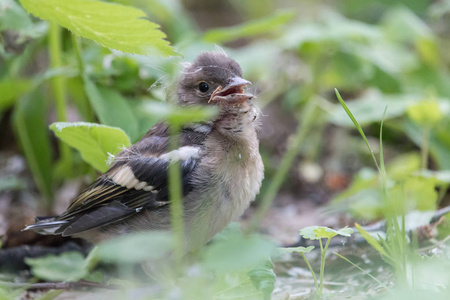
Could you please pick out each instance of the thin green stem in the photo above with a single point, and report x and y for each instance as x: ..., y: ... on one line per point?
x: 59, y: 88
x: 425, y: 146
x: 77, y: 47
x: 309, y: 116
x: 323, y: 251
x: 311, y: 270
x: 176, y: 206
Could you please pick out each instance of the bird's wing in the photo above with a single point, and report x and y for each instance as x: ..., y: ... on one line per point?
x: 138, y: 180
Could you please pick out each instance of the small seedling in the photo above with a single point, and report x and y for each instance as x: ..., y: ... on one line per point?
x: 318, y: 233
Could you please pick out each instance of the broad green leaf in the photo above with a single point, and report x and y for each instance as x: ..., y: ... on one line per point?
x: 370, y: 108
x: 111, y: 108
x: 112, y: 25
x: 439, y: 176
x: 364, y: 179
x: 14, y: 17
x: 319, y: 232
x: 309, y: 232
x: 367, y: 204
x: 178, y: 115
x: 29, y: 123
x: 404, y: 26
x: 263, y: 278
x: 328, y: 233
x: 296, y: 249
x: 65, y: 267
x: 403, y: 165
x: 94, y: 141
x: 10, y: 293
x: 11, y: 90
x: 439, y: 142
x: 426, y: 113
x: 413, y: 194
x: 237, y: 252
x: 251, y: 28
x: 136, y: 247
x: 344, y: 231
x: 371, y: 240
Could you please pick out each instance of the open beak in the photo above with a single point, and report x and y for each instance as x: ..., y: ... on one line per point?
x: 233, y: 93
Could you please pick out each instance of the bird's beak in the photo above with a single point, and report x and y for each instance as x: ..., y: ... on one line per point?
x: 233, y: 93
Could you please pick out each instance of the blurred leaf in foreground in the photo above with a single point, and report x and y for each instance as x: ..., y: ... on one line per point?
x: 65, y: 267
x: 232, y: 251
x: 426, y: 113
x: 29, y: 124
x: 251, y: 28
x: 177, y: 115
x: 414, y: 193
x: 136, y: 247
x: 94, y: 141
x: 14, y: 17
x: 112, y: 25
x: 11, y: 90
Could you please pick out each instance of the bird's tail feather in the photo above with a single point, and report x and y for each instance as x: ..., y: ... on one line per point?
x: 45, y: 225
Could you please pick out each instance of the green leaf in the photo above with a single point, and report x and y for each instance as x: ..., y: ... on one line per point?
x: 112, y: 25
x: 370, y: 108
x: 14, y: 17
x: 29, y: 123
x: 439, y: 141
x: 11, y: 90
x: 439, y: 176
x: 94, y: 141
x: 178, y: 115
x: 296, y: 249
x: 309, y: 232
x: 136, y: 247
x: 413, y: 194
x: 325, y: 232
x: 263, y: 278
x: 404, y: 26
x: 319, y: 232
x: 251, y: 28
x: 111, y: 108
x: 371, y: 240
x: 65, y: 267
x: 237, y: 252
x: 426, y: 113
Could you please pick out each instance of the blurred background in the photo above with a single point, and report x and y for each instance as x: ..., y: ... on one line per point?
x: 388, y: 59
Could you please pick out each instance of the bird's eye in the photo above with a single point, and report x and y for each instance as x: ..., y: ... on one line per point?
x: 203, y: 87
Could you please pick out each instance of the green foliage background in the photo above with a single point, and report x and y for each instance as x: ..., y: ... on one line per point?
x: 107, y: 66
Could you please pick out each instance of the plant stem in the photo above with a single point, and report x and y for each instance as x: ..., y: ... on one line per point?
x: 59, y: 89
x: 81, y: 69
x: 323, y: 251
x: 311, y: 270
x: 176, y: 206
x: 309, y: 116
x: 424, y: 148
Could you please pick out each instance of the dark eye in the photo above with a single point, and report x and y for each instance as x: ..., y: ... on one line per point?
x: 203, y: 87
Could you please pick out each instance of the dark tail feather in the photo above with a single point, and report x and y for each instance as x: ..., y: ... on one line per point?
x: 45, y: 225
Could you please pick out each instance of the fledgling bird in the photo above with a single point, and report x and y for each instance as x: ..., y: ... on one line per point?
x: 220, y: 164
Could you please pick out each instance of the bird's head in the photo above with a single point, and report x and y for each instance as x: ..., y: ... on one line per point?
x: 215, y: 79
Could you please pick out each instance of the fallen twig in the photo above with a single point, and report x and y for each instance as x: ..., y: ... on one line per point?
x: 378, y: 226
x: 60, y: 285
